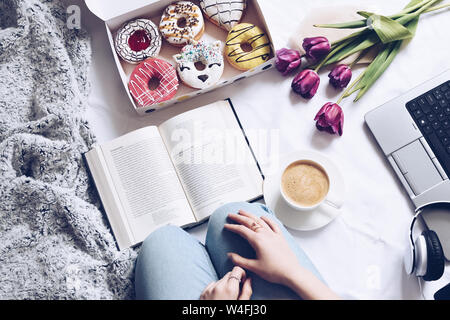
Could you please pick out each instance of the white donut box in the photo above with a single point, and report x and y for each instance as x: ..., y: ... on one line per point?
x: 117, y: 12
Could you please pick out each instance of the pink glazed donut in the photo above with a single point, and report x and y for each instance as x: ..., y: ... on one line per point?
x: 153, y: 71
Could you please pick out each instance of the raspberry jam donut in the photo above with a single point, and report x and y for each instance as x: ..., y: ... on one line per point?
x: 181, y: 23
x: 138, y: 40
x: 153, y: 81
x: 259, y: 48
x: 200, y: 65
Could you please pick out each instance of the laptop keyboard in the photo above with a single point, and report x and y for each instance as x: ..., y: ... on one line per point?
x: 431, y: 112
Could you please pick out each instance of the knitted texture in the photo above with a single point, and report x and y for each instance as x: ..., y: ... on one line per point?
x: 55, y: 243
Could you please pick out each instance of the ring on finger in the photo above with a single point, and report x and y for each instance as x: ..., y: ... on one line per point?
x: 235, y: 277
x: 255, y: 226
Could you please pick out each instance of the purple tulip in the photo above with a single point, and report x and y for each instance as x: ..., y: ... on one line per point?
x: 287, y: 60
x: 330, y: 118
x: 340, y: 76
x: 316, y: 48
x: 306, y: 83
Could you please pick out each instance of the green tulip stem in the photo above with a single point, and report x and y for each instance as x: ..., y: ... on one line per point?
x: 363, y: 23
x: 345, y: 43
x: 409, y: 17
x: 351, y: 36
x: 410, y: 9
x: 346, y: 92
x: 365, y: 38
x: 359, y: 57
x: 442, y: 6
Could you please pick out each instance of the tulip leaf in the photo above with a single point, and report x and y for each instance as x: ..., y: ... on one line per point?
x: 414, y: 3
x: 409, y: 9
x: 354, y: 47
x: 412, y: 25
x: 345, y: 25
x: 370, y: 72
x: 388, y: 30
x: 386, y: 33
x: 359, y: 34
x: 391, y: 50
x: 364, y: 14
x: 372, y: 69
x: 412, y: 15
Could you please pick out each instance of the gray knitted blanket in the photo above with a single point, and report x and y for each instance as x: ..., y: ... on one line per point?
x: 55, y: 243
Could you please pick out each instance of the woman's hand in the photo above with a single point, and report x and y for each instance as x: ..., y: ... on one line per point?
x: 228, y: 288
x: 275, y: 261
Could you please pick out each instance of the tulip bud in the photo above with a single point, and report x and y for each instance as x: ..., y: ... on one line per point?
x: 287, y: 60
x: 306, y: 83
x: 340, y: 76
x: 316, y: 48
x: 330, y: 118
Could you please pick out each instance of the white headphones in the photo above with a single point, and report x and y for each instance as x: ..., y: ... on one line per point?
x: 425, y: 257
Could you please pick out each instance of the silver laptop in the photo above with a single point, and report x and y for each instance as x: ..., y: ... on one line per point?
x: 413, y: 131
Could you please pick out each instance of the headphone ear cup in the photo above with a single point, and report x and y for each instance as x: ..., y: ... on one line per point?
x: 435, y: 256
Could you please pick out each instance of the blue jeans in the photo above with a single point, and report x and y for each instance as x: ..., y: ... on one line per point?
x: 172, y: 265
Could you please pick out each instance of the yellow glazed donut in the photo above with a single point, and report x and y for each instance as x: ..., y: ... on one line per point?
x: 247, y: 34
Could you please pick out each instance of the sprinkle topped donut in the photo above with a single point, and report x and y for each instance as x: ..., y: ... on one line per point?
x: 182, y: 22
x: 200, y: 64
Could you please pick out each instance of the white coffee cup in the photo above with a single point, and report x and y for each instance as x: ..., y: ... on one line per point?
x: 327, y: 198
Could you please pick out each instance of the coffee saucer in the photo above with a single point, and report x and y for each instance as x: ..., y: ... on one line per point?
x: 304, y: 220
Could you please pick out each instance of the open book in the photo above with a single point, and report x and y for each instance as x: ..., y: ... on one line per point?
x: 177, y: 173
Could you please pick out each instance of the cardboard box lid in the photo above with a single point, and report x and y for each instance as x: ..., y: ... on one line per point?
x: 108, y: 9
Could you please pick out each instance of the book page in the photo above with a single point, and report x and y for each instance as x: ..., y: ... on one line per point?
x: 146, y: 182
x: 110, y: 199
x: 212, y: 158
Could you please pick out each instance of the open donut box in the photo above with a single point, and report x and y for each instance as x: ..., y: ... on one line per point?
x: 117, y: 12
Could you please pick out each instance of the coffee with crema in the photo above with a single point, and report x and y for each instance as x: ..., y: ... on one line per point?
x: 305, y: 183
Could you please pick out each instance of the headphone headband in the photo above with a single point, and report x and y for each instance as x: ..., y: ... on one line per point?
x: 409, y: 260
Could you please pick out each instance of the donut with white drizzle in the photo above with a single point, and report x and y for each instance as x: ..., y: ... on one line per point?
x: 144, y: 73
x: 138, y: 40
x: 181, y: 23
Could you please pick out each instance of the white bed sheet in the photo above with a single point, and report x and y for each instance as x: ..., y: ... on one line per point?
x: 360, y: 253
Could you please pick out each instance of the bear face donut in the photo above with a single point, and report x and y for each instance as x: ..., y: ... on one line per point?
x: 225, y: 13
x: 259, y: 47
x: 200, y: 64
x: 153, y: 81
x: 138, y: 40
x: 181, y: 23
